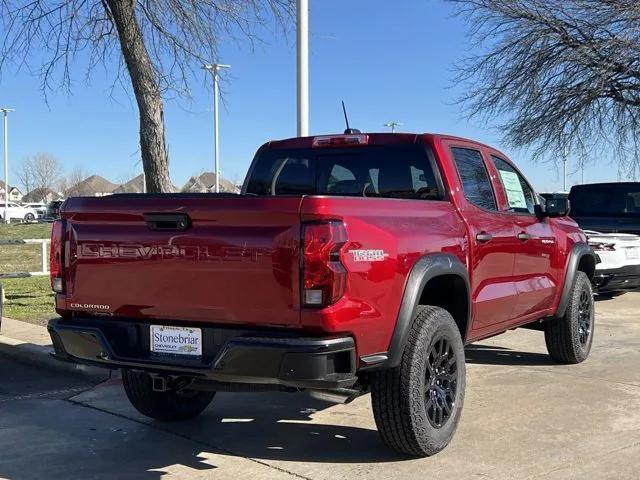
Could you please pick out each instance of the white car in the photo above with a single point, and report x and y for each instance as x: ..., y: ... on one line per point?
x: 40, y: 208
x: 619, y: 267
x: 18, y: 212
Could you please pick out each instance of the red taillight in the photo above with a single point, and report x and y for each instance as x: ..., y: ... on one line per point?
x: 324, y: 276
x: 340, y: 140
x: 55, y: 256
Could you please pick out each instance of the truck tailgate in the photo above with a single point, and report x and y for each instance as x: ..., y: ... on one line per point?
x: 236, y: 262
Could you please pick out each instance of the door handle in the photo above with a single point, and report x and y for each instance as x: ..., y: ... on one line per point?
x: 167, y: 221
x: 483, y: 237
x: 523, y: 237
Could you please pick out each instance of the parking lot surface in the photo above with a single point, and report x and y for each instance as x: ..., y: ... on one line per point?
x: 524, y: 417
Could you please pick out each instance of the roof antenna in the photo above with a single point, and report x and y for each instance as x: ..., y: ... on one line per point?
x: 348, y: 131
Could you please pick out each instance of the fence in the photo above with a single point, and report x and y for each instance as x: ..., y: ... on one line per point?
x: 44, y: 258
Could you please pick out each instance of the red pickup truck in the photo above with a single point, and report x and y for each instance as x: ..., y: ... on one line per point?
x: 349, y: 263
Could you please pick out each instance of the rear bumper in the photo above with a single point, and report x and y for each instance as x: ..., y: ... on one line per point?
x: 229, y: 355
x: 618, y: 279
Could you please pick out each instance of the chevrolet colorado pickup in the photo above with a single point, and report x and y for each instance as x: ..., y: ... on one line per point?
x: 349, y: 263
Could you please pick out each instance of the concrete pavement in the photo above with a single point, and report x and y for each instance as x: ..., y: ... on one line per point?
x: 524, y: 417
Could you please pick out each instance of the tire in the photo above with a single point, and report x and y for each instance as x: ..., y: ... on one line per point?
x: 29, y: 217
x: 401, y: 396
x: 167, y: 406
x: 569, y: 338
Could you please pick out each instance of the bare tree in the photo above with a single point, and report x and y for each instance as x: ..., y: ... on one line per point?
x: 41, y: 170
x: 26, y: 175
x: 161, y: 44
x: 558, y: 74
x: 73, y: 178
x: 63, y: 184
x: 47, y: 170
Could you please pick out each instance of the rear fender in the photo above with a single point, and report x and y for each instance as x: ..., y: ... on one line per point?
x: 427, y: 268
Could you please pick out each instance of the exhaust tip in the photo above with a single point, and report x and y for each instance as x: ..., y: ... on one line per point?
x: 339, y: 395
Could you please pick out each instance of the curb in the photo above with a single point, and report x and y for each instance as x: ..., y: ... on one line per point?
x: 42, y: 356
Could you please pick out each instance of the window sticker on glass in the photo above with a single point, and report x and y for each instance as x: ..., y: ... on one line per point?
x: 515, y: 195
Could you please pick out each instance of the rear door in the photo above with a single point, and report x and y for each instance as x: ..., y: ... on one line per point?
x: 492, y: 240
x: 535, y: 270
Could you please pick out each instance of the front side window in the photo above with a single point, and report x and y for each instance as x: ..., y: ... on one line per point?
x: 474, y: 177
x: 520, y: 196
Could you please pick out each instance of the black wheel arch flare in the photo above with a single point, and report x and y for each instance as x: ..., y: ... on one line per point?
x: 424, y: 270
x: 581, y: 258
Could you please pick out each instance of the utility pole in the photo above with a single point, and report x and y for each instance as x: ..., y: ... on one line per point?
x: 5, y: 112
x: 302, y: 36
x: 215, y: 70
x: 393, y: 125
x: 564, y: 169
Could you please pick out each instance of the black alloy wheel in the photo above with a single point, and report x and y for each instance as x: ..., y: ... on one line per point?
x: 584, y: 317
x: 441, y: 381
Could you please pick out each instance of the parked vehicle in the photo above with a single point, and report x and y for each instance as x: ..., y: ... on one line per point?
x: 18, y: 212
x: 548, y: 195
x: 53, y: 210
x: 607, y: 207
x: 619, y: 268
x: 39, y: 207
x: 349, y: 263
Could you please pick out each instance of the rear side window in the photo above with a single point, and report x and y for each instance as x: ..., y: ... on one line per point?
x: 372, y: 171
x: 475, y: 178
x: 520, y: 195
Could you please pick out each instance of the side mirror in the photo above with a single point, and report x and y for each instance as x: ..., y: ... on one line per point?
x: 554, y: 207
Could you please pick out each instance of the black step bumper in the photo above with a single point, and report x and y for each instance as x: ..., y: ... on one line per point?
x: 228, y: 355
x: 622, y: 279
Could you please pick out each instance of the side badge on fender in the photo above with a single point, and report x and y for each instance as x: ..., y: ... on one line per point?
x: 368, y: 255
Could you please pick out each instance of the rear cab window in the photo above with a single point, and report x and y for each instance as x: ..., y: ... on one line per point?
x: 384, y: 171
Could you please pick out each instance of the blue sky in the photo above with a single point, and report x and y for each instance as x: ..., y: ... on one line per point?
x: 387, y: 60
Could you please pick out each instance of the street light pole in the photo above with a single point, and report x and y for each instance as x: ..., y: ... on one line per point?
x: 215, y: 70
x: 564, y: 169
x: 302, y: 37
x: 5, y: 112
x: 393, y: 126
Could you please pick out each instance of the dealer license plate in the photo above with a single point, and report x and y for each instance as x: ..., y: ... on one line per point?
x: 632, y: 253
x: 176, y: 340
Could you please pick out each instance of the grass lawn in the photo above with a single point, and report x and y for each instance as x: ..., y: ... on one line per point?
x: 25, y: 230
x: 29, y: 299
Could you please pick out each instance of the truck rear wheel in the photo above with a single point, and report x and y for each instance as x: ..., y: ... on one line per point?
x: 165, y: 406
x: 569, y: 338
x: 417, y: 405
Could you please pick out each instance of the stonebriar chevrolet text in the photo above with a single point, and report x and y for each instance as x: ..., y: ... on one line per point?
x: 349, y: 264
